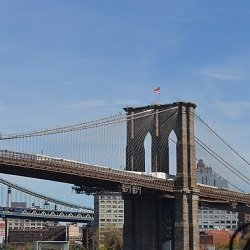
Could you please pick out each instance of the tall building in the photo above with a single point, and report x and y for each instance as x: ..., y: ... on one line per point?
x: 2, y: 230
x: 206, y: 176
x: 74, y: 233
x: 109, y: 212
x: 210, y: 218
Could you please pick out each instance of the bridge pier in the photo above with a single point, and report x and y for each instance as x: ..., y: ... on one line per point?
x: 186, y: 195
x: 148, y: 223
x: 186, y: 227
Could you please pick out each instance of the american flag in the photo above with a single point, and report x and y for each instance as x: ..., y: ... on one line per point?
x: 157, y: 90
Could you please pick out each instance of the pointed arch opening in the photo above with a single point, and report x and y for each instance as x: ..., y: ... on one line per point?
x: 172, y: 142
x: 148, y: 153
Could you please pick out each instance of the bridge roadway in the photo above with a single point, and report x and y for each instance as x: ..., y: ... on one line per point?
x: 100, y: 178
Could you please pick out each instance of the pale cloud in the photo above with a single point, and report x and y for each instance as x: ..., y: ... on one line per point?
x: 87, y: 104
x: 234, y: 68
x: 222, y: 74
x: 233, y: 110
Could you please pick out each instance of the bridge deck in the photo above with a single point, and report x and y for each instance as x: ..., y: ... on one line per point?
x: 93, y: 176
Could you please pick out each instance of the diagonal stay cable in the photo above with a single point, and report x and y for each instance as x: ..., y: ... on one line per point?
x: 214, y: 171
x: 213, y: 131
x: 237, y: 188
x: 223, y: 162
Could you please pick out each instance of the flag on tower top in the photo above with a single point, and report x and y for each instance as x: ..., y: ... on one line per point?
x: 157, y: 90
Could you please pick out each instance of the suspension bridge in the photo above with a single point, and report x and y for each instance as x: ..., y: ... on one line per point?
x: 147, y: 153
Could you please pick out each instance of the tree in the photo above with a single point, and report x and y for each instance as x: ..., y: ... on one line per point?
x: 28, y: 246
x: 103, y: 248
x: 113, y: 239
x: 108, y: 238
x: 76, y: 247
x: 9, y: 247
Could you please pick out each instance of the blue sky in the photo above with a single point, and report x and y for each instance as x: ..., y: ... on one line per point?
x: 63, y: 62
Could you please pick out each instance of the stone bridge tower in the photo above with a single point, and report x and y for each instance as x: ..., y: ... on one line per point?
x: 150, y: 221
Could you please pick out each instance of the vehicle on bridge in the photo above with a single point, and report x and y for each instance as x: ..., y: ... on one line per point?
x: 160, y: 175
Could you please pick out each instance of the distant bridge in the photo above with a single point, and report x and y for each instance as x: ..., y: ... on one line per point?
x: 46, y: 215
x: 51, y: 209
